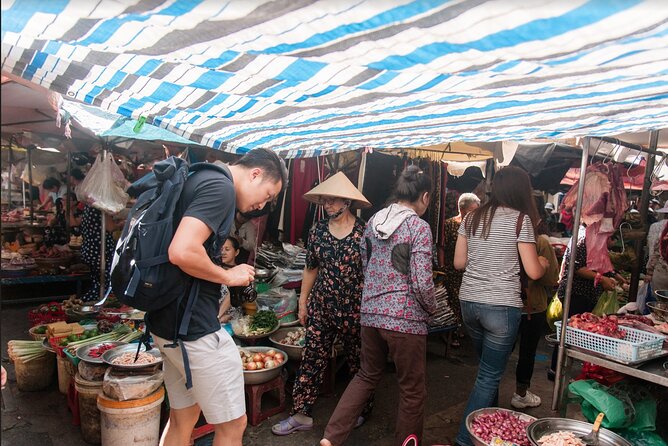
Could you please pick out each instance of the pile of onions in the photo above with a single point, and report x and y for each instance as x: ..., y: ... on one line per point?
x: 501, y: 424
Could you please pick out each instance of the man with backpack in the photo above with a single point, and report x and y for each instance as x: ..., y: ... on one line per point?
x: 202, y: 367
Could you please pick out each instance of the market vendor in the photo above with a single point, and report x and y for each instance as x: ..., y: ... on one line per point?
x: 657, y: 267
x: 51, y: 187
x: 446, y: 254
x: 91, y: 248
x: 329, y: 304
x: 587, y: 287
x: 230, y: 296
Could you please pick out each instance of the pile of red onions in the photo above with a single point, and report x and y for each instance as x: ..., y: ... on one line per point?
x: 501, y: 424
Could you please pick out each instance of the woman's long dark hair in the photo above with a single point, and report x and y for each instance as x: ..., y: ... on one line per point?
x: 511, y: 188
x: 410, y: 185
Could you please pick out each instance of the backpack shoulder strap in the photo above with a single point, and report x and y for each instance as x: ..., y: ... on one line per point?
x: 518, y: 225
x: 196, y: 167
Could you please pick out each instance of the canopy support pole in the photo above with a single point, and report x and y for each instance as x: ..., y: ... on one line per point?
x: 30, y: 186
x: 556, y: 395
x: 644, y: 206
x: 68, y: 205
x: 9, y: 178
x: 103, y: 251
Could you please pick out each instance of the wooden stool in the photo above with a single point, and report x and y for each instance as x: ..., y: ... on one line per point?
x: 254, y: 393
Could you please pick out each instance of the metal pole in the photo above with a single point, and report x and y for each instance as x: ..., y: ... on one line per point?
x: 103, y: 254
x: 10, y: 179
x: 32, y: 205
x: 644, y: 205
x: 569, y: 279
x: 67, y: 199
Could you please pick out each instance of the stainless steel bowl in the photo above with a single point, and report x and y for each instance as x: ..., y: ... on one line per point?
x: 265, y: 375
x: 294, y: 351
x: 659, y: 310
x: 83, y: 353
x: 263, y: 273
x: 109, y: 356
x: 546, y: 426
x: 661, y: 295
x: 477, y: 441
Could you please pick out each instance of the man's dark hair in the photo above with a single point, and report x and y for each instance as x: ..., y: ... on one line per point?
x: 77, y: 174
x: 50, y: 183
x: 270, y: 163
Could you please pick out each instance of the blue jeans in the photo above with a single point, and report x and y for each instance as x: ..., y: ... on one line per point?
x: 493, y: 330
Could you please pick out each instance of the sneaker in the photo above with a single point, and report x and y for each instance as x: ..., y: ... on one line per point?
x: 528, y: 400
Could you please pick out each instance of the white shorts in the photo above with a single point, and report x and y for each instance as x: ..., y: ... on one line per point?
x: 217, y: 376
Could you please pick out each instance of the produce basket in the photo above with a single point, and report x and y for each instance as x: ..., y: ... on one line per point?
x: 637, y: 345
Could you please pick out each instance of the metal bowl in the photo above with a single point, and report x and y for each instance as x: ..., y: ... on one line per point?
x: 293, y: 351
x: 661, y: 295
x: 263, y: 273
x: 546, y: 426
x: 260, y: 336
x: 86, y: 310
x: 266, y: 375
x: 109, y: 356
x: 83, y: 353
x: 477, y: 441
x: 659, y: 310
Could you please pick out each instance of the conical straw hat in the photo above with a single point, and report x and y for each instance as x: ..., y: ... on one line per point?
x: 338, y: 186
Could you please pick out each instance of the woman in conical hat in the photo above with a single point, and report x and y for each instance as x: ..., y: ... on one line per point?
x: 329, y: 304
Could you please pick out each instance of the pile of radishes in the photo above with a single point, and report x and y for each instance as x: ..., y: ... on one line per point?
x: 261, y: 360
x: 501, y: 424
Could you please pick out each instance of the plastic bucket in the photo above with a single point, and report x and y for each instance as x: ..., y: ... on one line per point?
x: 131, y: 423
x: 66, y: 372
x: 89, y: 414
x: 35, y: 375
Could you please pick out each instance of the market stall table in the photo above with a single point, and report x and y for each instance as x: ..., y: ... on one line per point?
x: 78, y: 279
x: 652, y: 371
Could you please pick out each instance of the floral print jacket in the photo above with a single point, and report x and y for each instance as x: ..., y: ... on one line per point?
x: 398, y: 284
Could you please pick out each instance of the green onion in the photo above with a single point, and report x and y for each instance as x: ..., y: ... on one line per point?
x: 25, y: 351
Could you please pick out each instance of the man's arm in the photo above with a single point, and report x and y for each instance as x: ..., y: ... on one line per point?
x: 187, y: 252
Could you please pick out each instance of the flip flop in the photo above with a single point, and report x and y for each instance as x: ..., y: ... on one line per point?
x: 360, y: 421
x: 288, y: 426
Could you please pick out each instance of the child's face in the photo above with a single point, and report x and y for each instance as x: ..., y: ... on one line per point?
x: 229, y: 253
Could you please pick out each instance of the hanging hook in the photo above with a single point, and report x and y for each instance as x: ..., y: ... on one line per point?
x: 600, y: 141
x: 633, y: 163
x: 621, y: 234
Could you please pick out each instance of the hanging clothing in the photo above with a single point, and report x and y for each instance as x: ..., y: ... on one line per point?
x: 304, y: 176
x: 91, y: 250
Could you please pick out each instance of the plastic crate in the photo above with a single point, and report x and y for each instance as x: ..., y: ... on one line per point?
x: 637, y: 345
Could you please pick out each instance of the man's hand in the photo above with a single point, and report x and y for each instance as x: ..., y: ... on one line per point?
x: 240, y: 275
x: 4, y: 377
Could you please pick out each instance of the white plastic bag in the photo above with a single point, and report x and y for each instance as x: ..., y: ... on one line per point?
x: 104, y: 186
x: 644, y: 292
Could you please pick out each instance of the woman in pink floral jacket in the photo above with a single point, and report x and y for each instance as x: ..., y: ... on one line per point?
x: 397, y: 301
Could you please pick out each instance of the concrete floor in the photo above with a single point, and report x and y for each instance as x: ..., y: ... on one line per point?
x: 42, y: 418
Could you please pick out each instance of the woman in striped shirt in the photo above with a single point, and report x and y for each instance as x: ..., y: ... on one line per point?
x: 491, y: 243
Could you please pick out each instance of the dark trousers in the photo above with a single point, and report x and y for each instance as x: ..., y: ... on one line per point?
x: 409, y: 354
x: 532, y: 327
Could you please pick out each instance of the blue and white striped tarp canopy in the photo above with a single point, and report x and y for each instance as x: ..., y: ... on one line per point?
x: 309, y: 78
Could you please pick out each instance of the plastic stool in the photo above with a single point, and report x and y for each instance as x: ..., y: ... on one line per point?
x: 254, y: 393
x: 202, y: 429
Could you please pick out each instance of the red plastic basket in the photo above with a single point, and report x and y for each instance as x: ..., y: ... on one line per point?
x: 37, y: 317
x: 55, y: 344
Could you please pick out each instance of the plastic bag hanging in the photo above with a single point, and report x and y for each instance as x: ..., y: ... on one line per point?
x: 104, y: 186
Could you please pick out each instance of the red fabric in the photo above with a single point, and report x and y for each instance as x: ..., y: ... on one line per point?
x: 304, y: 175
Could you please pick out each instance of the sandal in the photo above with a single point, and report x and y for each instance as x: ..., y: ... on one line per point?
x: 360, y: 421
x: 288, y: 426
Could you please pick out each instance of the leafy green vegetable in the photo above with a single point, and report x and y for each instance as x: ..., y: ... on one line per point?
x: 264, y: 320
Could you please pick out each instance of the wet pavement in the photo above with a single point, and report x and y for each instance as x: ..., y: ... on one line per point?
x: 42, y: 418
